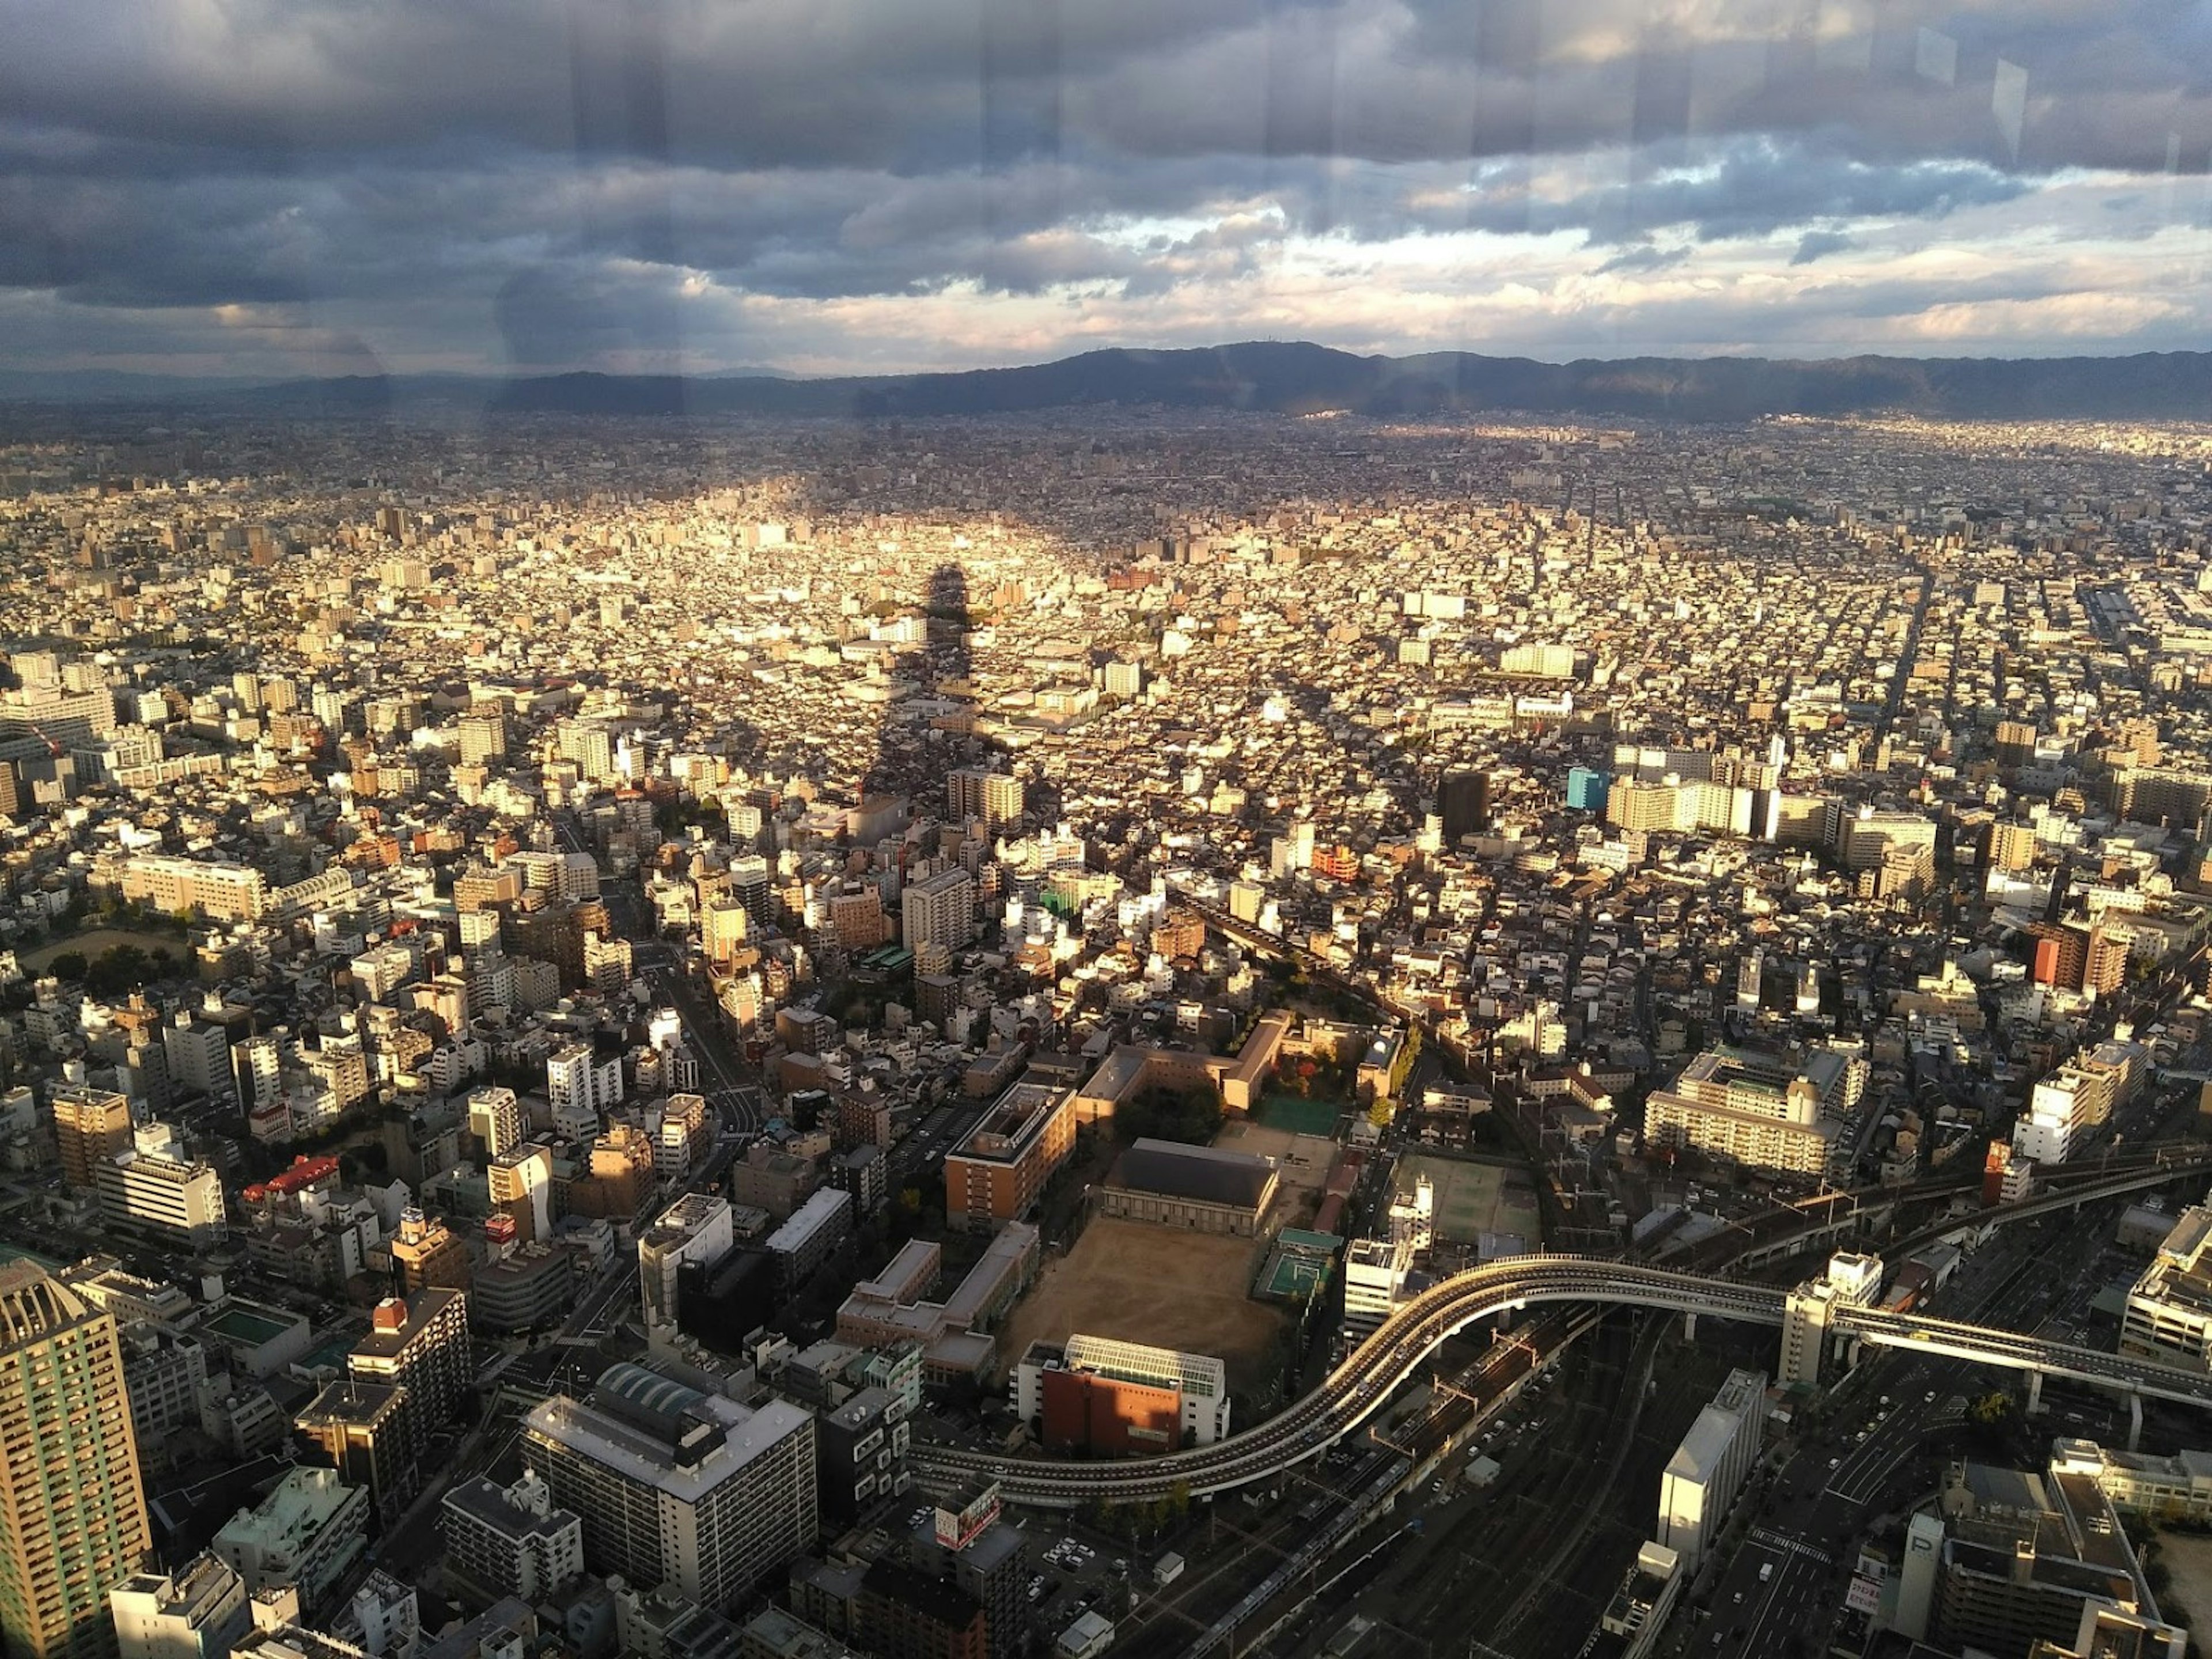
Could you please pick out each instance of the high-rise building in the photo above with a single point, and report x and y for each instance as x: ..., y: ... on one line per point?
x: 581, y: 1085
x: 91, y: 1126
x: 752, y: 883
x: 511, y: 1541
x: 1701, y: 1480
x: 495, y: 1119
x: 695, y: 1228
x: 676, y: 1486
x: 520, y: 1181
x: 198, y: 1055
x: 484, y: 737
x: 994, y: 797
x: 2013, y: 846
x: 363, y: 1429
x: 939, y: 909
x: 1463, y: 802
x: 724, y: 926
x: 69, y: 1487
x: 420, y: 1344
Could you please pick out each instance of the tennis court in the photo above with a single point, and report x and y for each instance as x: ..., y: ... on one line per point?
x: 1472, y: 1199
x: 1298, y: 1265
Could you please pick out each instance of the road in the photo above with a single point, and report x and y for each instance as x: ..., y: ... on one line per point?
x: 1366, y: 1379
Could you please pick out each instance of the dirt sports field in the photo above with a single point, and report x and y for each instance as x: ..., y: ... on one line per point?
x: 1140, y: 1283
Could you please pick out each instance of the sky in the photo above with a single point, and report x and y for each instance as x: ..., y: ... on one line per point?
x: 284, y: 187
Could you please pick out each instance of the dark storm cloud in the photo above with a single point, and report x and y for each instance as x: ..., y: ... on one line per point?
x: 1819, y: 244
x: 538, y: 180
x: 1642, y: 259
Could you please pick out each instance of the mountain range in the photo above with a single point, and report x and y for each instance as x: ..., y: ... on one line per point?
x: 1288, y: 378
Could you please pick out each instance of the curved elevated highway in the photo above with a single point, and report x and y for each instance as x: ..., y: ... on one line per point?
x: 1368, y: 1376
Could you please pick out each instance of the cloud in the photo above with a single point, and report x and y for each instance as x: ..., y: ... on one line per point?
x: 1819, y: 244
x: 1644, y: 256
x: 525, y: 183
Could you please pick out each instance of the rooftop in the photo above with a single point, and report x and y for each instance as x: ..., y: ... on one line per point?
x: 1210, y: 1174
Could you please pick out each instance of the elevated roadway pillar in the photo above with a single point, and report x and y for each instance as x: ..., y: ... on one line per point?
x: 1689, y: 1325
x: 2035, y: 1393
x: 2135, y: 1422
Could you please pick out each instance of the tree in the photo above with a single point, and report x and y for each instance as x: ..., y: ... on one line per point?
x: 1192, y: 1116
x: 116, y: 970
x: 1992, y: 1410
x: 70, y: 965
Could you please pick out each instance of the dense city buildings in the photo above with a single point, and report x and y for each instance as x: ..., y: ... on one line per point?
x: 631, y: 1016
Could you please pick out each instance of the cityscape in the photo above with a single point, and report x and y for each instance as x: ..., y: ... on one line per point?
x: 1146, y: 830
x: 1177, y: 1031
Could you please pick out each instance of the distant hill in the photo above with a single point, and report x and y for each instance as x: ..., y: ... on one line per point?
x: 1282, y: 378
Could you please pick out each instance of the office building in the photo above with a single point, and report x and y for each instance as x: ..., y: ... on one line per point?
x: 1636, y: 1615
x: 860, y: 1448
x: 420, y: 1344
x: 697, y: 1227
x: 154, y: 1186
x: 198, y: 1612
x: 76, y: 1514
x: 307, y: 1533
x: 1708, y: 1468
x: 679, y: 1487
x: 91, y: 1126
x: 524, y: 1289
x: 511, y: 1541
x: 2169, y: 1309
x: 1587, y: 789
x: 939, y: 910
x: 1092, y: 1394
x: 816, y: 1229
x: 999, y: 1169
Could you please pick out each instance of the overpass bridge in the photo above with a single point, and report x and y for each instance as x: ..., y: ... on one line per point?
x: 1358, y: 1388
